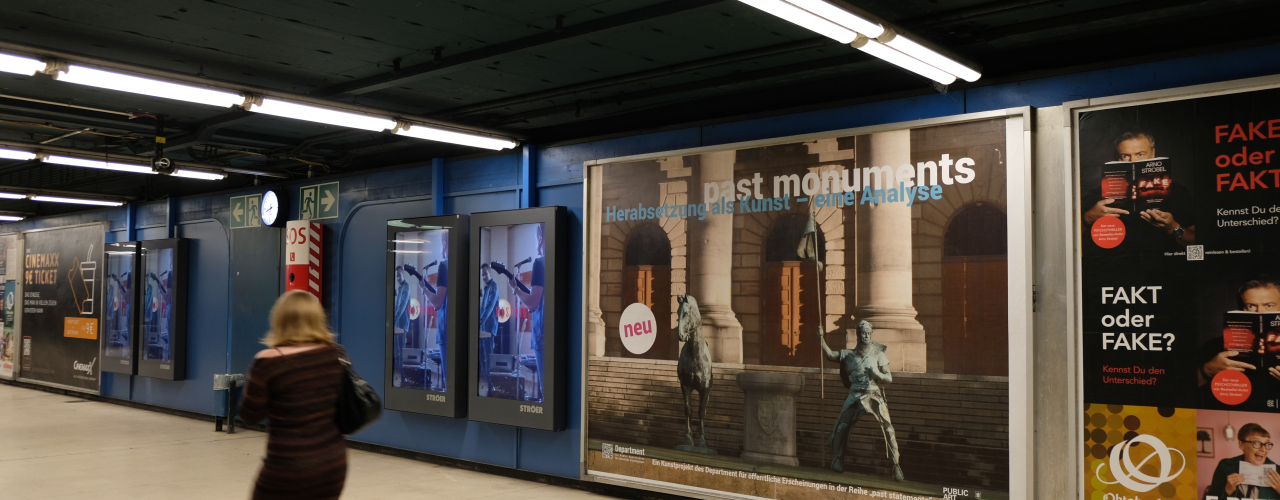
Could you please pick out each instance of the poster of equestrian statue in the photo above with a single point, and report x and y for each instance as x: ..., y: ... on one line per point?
x: 823, y: 316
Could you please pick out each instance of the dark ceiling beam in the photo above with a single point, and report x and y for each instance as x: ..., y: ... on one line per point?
x: 663, y: 72
x: 205, y: 130
x: 550, y: 38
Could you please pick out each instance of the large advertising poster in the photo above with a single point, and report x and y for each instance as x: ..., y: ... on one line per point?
x: 825, y: 318
x: 1179, y: 217
x: 7, y: 351
x: 60, y: 305
x: 513, y: 277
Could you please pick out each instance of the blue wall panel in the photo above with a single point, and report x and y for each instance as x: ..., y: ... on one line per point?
x: 484, y: 202
x: 206, y: 324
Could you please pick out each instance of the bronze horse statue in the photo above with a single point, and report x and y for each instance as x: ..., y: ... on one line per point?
x: 694, y: 371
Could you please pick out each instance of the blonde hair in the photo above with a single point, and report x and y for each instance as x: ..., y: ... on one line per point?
x: 297, y: 318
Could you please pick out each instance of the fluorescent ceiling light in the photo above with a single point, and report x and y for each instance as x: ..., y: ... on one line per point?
x: 840, y: 16
x: 905, y: 61
x: 10, y: 154
x: 21, y: 65
x: 929, y: 56
x: 146, y: 86
x: 13, y: 196
x: 106, y: 165
x: 436, y: 134
x: 197, y: 174
x: 321, y: 115
x: 417, y: 242
x: 11, y: 218
x: 407, y: 251
x: 805, y: 19
x: 77, y: 201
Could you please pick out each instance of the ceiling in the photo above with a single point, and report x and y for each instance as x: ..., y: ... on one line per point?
x: 543, y: 70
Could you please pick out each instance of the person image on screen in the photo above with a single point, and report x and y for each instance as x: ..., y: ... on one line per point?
x: 437, y: 296
x: 1261, y: 295
x: 1228, y: 482
x: 534, y: 301
x: 1174, y: 225
x: 295, y: 384
x: 158, y: 303
x: 401, y: 324
x: 488, y: 325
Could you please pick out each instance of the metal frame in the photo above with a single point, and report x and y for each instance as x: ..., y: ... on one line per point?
x: 176, y: 368
x: 426, y: 401
x: 551, y: 413
x: 1020, y: 315
x: 1071, y: 182
x: 116, y: 364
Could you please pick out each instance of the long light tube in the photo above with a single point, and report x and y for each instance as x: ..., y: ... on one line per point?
x: 21, y: 65
x: 146, y: 86
x: 13, y: 196
x: 436, y: 134
x: 105, y: 165
x: 196, y: 174
x: 805, y: 19
x: 10, y: 154
x: 77, y: 201
x: 321, y: 115
x: 840, y: 16
x: 905, y: 61
x: 929, y: 56
x: 11, y: 218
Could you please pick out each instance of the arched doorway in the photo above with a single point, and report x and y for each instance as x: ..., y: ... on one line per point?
x: 975, y: 292
x: 790, y: 297
x: 646, y: 278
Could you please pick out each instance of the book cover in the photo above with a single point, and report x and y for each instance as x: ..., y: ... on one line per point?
x: 1151, y: 183
x: 1117, y: 184
x: 1242, y: 332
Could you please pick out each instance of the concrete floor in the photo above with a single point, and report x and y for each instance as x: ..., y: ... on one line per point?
x: 55, y: 446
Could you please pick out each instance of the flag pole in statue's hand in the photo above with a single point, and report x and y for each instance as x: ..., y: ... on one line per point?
x: 808, y: 250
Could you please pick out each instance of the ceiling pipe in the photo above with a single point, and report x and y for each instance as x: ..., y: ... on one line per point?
x: 213, y: 84
x: 141, y: 160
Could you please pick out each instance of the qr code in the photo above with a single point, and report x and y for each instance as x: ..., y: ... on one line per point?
x: 1195, y: 252
x: 606, y: 450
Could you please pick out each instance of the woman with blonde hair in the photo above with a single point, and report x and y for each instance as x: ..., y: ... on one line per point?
x: 295, y: 383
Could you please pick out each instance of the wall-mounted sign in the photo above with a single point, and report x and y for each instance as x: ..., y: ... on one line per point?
x: 319, y: 201
x: 304, y: 257
x: 61, y: 302
x: 246, y: 211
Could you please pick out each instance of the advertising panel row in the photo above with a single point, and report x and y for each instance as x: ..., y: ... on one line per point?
x: 818, y: 317
x: 1178, y: 218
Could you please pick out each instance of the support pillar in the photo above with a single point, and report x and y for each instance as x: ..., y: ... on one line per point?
x: 596, y: 333
x: 884, y: 257
x: 710, y: 265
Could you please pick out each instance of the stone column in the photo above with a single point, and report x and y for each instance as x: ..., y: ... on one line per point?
x: 884, y: 258
x: 711, y: 264
x: 595, y: 318
x: 769, y: 417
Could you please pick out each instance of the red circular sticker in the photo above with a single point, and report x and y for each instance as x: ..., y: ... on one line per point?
x: 1231, y: 387
x: 1108, y: 232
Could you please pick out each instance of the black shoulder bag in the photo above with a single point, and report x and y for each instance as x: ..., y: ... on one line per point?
x: 358, y: 404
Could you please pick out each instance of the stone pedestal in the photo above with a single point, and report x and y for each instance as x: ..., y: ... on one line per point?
x: 769, y: 417
x: 884, y: 258
x: 711, y: 267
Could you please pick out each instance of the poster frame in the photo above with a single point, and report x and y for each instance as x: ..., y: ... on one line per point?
x: 1071, y: 181
x: 1020, y: 125
x: 177, y: 369
x: 454, y: 404
x: 18, y: 315
x: 551, y: 413
x: 113, y: 364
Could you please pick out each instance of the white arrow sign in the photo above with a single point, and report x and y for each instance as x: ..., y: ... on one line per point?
x: 239, y: 211
x: 327, y: 200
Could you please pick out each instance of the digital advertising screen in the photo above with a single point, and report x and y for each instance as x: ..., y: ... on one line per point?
x: 424, y: 343
x: 162, y: 283
x: 119, y: 314
x: 516, y: 334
